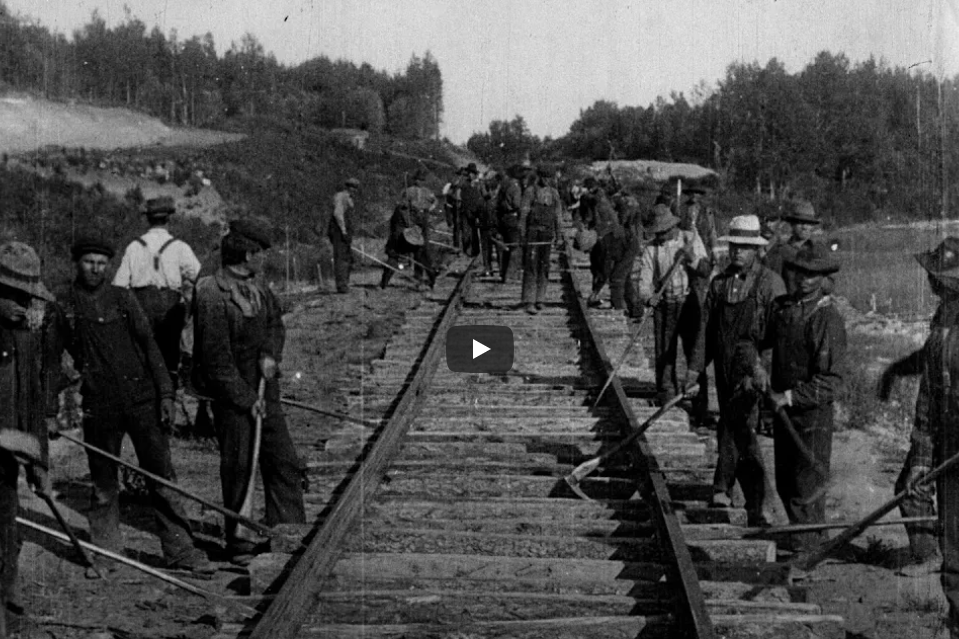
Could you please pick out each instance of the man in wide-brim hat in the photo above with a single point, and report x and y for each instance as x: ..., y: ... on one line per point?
x: 737, y: 304
x: 808, y: 340
x: 937, y: 362
x: 30, y: 338
x: 676, y: 313
x: 801, y: 217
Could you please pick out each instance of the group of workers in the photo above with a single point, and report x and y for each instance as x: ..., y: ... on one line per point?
x: 124, y: 339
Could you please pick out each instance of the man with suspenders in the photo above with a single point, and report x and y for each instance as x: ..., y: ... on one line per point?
x: 162, y: 271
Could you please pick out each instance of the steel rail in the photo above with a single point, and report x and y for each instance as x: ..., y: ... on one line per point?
x: 300, y: 593
x: 693, y: 614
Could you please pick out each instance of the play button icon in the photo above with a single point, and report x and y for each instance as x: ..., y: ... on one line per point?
x: 479, y: 349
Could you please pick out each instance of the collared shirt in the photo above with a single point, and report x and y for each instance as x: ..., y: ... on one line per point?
x: 657, y: 260
x: 143, y: 266
x: 342, y: 206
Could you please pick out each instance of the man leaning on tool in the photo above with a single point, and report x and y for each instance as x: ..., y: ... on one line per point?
x: 340, y: 232
x: 161, y: 270
x: 30, y: 348
x: 807, y: 336
x: 126, y: 390
x: 239, y: 338
x: 737, y: 310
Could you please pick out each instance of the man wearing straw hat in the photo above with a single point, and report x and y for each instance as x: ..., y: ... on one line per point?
x: 30, y: 349
x: 736, y: 312
x: 676, y: 315
x: 936, y: 425
x: 807, y: 336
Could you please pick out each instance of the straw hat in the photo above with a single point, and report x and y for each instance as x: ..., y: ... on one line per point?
x: 663, y: 219
x: 745, y: 229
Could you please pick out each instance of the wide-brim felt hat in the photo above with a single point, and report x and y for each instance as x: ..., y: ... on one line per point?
x: 814, y: 257
x: 92, y: 243
x: 20, y: 269
x: 942, y: 261
x: 256, y: 231
x: 160, y: 206
x: 663, y: 220
x: 471, y: 168
x: 802, y: 213
x: 745, y: 229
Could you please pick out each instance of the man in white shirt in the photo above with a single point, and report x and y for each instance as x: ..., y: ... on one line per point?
x: 162, y: 271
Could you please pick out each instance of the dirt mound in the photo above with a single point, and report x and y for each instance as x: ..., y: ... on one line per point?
x: 653, y: 172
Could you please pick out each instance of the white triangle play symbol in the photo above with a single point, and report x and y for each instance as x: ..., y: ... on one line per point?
x: 479, y: 348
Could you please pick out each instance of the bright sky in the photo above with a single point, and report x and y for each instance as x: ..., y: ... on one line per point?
x: 548, y: 59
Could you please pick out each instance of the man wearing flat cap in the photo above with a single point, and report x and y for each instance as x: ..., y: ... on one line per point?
x: 161, y: 270
x: 239, y: 336
x: 807, y: 336
x: 736, y: 312
x: 126, y: 391
x: 30, y: 347
x: 340, y: 232
x: 936, y: 422
x: 540, y: 211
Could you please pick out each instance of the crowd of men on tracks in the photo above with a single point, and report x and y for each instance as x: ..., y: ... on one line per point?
x: 762, y: 316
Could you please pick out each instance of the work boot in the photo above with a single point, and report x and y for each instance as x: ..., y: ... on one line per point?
x: 593, y: 301
x: 720, y: 500
x: 242, y: 552
x: 539, y: 306
x: 531, y: 309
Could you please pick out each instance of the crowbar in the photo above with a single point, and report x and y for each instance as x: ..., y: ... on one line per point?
x: 586, y: 468
x: 808, y: 561
x: 315, y: 409
x: 69, y: 531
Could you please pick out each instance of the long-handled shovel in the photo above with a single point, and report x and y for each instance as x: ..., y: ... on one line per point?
x: 807, y: 561
x: 586, y: 468
x: 87, y: 562
x: 634, y: 338
x: 251, y: 523
x: 246, y: 509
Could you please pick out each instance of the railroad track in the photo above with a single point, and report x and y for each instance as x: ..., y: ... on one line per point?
x: 458, y: 522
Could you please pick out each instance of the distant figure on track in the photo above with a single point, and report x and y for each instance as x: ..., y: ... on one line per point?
x: 509, y: 199
x: 420, y: 202
x: 737, y: 312
x: 161, y: 270
x: 807, y: 336
x: 932, y: 441
x: 540, y: 213
x: 239, y: 337
x: 340, y: 232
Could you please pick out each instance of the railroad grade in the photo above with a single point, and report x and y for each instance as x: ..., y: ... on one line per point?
x: 458, y: 522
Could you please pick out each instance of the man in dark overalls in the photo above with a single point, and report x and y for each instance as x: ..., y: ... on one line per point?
x: 541, y: 209
x: 737, y: 310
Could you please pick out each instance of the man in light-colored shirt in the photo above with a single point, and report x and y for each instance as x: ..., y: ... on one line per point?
x: 162, y: 271
x: 340, y: 232
x: 675, y: 312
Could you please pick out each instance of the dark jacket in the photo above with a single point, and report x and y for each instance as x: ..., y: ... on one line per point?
x: 228, y: 344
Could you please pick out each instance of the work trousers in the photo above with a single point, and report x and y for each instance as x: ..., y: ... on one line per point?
x: 280, y: 467
x: 511, y: 238
x: 342, y: 257
x: 601, y: 258
x: 483, y: 246
x: 167, y: 314
x: 740, y: 458
x: 536, y: 265
x: 947, y: 493
x: 674, y: 319
x: 9, y: 535
x: 921, y: 503
x: 796, y: 479
x: 622, y: 290
x: 104, y: 427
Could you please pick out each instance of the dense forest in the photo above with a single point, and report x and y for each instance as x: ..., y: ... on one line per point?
x: 186, y: 82
x: 864, y: 140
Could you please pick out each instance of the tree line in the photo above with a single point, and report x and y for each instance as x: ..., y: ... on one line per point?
x: 866, y: 140
x: 185, y: 81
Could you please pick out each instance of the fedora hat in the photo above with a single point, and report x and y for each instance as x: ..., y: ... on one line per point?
x: 802, y: 212
x: 20, y: 269
x: 745, y: 229
x: 814, y: 257
x: 163, y: 206
x: 663, y: 219
x: 942, y: 261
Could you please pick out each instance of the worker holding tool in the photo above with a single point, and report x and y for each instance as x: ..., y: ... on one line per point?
x: 30, y: 347
x: 736, y: 313
x: 126, y: 390
x: 420, y: 202
x: 405, y: 242
x: 340, y: 233
x: 675, y: 314
x: 239, y: 337
x: 807, y: 336
x: 540, y: 212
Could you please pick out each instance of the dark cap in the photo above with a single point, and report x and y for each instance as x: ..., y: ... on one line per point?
x: 802, y: 212
x: 256, y: 231
x: 815, y: 257
x: 91, y: 243
x: 160, y: 207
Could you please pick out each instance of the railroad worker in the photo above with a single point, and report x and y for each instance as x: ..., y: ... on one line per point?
x: 340, y: 232
x: 508, y: 202
x: 475, y: 217
x: 600, y: 216
x: 622, y: 288
x: 126, y: 390
x: 403, y: 244
x: 801, y: 217
x: 540, y: 209
x: 421, y: 202
x: 929, y: 446
x: 30, y: 347
x: 239, y: 341
x: 675, y: 315
x: 807, y: 336
x: 161, y: 270
x: 737, y: 310
x: 451, y: 206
